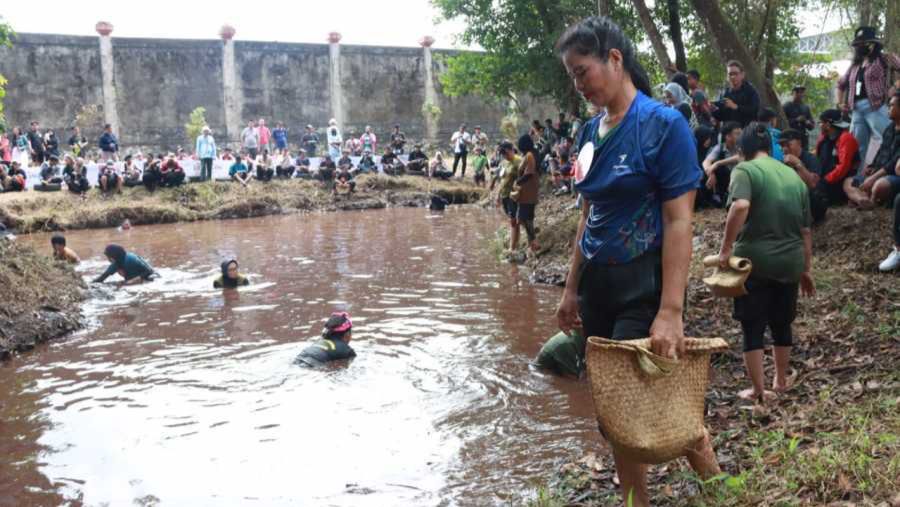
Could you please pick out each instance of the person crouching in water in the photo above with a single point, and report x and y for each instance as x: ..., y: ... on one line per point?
x: 230, y: 278
x: 334, y: 344
x: 61, y: 252
x: 131, y: 267
x: 770, y: 217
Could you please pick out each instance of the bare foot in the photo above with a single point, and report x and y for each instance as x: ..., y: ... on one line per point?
x: 780, y: 387
x: 702, y: 457
x: 866, y: 204
x: 751, y: 395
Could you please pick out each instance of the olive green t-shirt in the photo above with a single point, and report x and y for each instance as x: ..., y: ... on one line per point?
x: 510, y: 173
x: 772, y: 237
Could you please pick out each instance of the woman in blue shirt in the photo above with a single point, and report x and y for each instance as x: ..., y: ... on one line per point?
x: 129, y: 266
x: 637, y: 170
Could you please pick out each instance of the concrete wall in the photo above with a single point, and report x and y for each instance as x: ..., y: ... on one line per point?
x: 158, y: 82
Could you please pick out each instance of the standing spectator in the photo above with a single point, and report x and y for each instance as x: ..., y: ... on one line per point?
x: 740, y: 102
x: 770, y: 218
x: 480, y: 165
x: 838, y: 154
x: 265, y: 136
x: 5, y: 147
x: 480, y: 139
x: 460, y: 142
x: 335, y: 140
x: 368, y: 141
x: 526, y: 188
x: 879, y: 183
x: 21, y: 147
x: 206, y: 152
x: 353, y: 145
x: 250, y: 139
x: 310, y: 141
x: 563, y: 128
x: 807, y: 167
x: 699, y: 100
x: 798, y: 114
x: 77, y: 142
x: 862, y: 90
x: 36, y: 140
x: 51, y: 143
x: 109, y: 145
x: 398, y: 140
x: 280, y: 136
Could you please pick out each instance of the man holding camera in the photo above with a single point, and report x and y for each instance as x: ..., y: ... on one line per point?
x: 740, y: 102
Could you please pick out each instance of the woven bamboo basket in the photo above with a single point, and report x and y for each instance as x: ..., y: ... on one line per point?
x: 648, y: 407
x: 728, y: 282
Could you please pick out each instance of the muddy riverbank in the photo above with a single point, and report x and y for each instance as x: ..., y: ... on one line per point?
x: 37, y: 211
x: 41, y: 298
x: 834, y: 438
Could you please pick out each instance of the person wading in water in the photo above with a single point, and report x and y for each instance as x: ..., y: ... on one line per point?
x: 638, y: 172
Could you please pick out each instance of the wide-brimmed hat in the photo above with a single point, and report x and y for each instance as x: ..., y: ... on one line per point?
x: 864, y: 34
x: 834, y: 117
x: 798, y: 87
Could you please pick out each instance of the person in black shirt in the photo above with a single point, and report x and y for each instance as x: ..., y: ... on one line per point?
x: 326, y: 172
x: 807, y: 167
x: 398, y: 140
x: 334, y: 345
x: 880, y: 181
x: 37, y: 144
x: 418, y: 161
x: 310, y: 141
x: 77, y: 142
x: 75, y: 176
x: 799, y: 116
x: 740, y: 102
x: 391, y: 163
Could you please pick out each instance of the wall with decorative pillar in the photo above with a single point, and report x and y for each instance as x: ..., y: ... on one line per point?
x: 150, y: 86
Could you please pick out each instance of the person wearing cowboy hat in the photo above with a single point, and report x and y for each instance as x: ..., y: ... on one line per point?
x: 838, y: 154
x: 206, y: 152
x: 334, y: 344
x: 863, y: 89
x: 798, y: 114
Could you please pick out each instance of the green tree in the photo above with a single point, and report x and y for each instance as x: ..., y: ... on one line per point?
x: 194, y: 127
x: 6, y: 36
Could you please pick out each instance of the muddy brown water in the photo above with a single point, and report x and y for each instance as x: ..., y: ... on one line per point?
x: 184, y: 395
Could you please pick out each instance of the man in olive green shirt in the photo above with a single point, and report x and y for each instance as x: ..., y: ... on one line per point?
x: 769, y: 216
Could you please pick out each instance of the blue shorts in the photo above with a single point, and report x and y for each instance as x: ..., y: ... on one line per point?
x: 891, y: 178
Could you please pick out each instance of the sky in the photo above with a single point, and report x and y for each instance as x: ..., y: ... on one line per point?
x: 372, y: 22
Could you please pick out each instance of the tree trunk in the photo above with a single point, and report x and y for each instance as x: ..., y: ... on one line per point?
x: 892, y: 35
x: 731, y: 48
x: 659, y: 48
x: 604, y: 7
x: 675, y: 32
x: 771, y: 35
x: 865, y: 13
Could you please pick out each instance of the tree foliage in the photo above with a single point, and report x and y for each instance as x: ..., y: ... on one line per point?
x: 6, y: 35
x: 194, y: 127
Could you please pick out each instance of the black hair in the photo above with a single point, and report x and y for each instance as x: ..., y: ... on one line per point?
x: 873, y: 55
x: 694, y: 73
x: 526, y: 146
x: 334, y: 322
x: 58, y: 239
x: 702, y: 134
x: 728, y: 127
x: 755, y: 138
x: 115, y: 252
x: 735, y: 63
x: 596, y: 36
x: 505, y: 146
x: 681, y: 79
x: 766, y: 114
x: 227, y: 281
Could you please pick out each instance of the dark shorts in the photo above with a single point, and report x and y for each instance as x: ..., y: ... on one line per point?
x: 525, y: 212
x: 511, y: 207
x: 620, y: 301
x: 767, y: 304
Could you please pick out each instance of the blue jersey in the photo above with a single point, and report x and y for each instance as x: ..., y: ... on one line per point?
x: 649, y: 158
x: 280, y: 136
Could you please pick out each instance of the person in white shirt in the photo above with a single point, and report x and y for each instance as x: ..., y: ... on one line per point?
x: 460, y: 142
x: 335, y: 140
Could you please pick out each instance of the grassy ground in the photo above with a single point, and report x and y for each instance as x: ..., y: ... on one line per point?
x: 41, y: 297
x: 834, y: 439
x: 37, y: 211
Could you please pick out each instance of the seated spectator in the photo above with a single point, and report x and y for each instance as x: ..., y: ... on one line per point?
x: 367, y: 163
x: 265, y: 166
x: 152, y: 174
x: 61, y: 252
x: 438, y: 168
x: 704, y: 137
x: 239, y: 171
x: 228, y: 155
x: 770, y: 219
x: 10, y: 179
x: 391, y: 163
x: 343, y: 186
x: 75, y: 176
x: 480, y: 164
x: 838, y: 154
x: 285, y: 168
x: 770, y: 119
x: 676, y: 97
x: 303, y: 164
x: 51, y: 176
x: 353, y: 146
x: 418, y: 161
x: 131, y: 173
x: 171, y: 174
x: 807, y: 167
x: 347, y: 176
x: 108, y: 177
x: 880, y: 182
x: 326, y: 172
x: 345, y: 162
x: 181, y: 155
x: 893, y: 259
x: 718, y: 165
